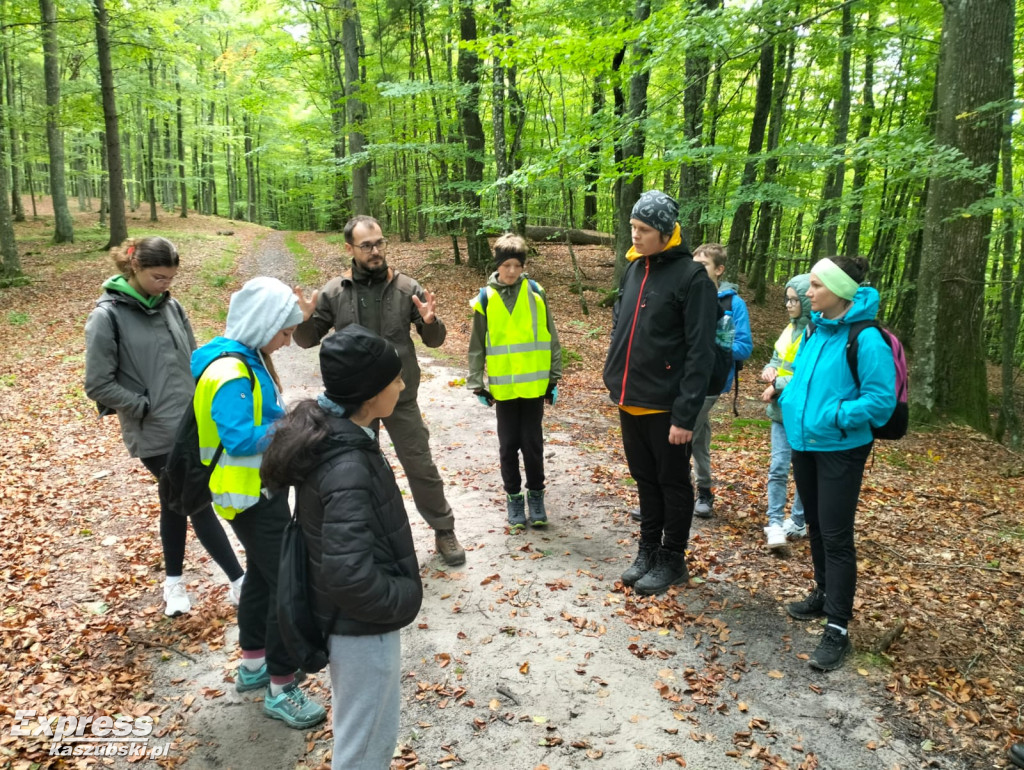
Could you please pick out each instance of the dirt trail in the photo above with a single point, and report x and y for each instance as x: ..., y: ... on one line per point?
x: 523, y: 658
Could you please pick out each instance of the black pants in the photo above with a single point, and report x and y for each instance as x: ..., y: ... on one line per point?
x: 260, y: 529
x: 662, y: 474
x: 519, y: 430
x: 829, y: 485
x: 206, y: 523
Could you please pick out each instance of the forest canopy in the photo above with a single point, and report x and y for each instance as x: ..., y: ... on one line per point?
x: 788, y: 131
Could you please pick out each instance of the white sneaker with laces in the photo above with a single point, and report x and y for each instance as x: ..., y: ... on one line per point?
x: 235, y: 590
x: 792, y: 531
x: 776, y: 536
x: 176, y: 598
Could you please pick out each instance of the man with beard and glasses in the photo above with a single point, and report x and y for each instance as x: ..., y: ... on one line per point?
x: 388, y: 303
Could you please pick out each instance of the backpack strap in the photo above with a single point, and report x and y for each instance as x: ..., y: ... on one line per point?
x: 252, y: 388
x: 853, y: 344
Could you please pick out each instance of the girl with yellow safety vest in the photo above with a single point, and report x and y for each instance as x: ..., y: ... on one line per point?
x: 776, y: 374
x: 237, y: 401
x: 514, y: 337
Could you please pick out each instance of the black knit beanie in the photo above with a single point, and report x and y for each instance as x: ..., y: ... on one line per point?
x: 356, y: 365
x: 658, y: 210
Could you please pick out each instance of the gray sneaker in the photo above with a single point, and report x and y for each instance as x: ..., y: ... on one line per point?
x: 705, y: 505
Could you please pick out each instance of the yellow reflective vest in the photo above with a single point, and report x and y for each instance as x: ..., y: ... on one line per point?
x: 518, y: 344
x: 235, y: 482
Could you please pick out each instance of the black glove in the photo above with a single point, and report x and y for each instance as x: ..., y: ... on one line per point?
x: 484, y: 397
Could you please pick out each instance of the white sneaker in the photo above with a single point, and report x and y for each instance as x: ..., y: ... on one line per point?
x: 176, y: 598
x: 235, y: 590
x: 792, y: 531
x: 776, y: 536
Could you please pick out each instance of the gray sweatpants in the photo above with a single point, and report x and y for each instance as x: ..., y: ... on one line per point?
x: 366, y: 685
x: 702, y: 445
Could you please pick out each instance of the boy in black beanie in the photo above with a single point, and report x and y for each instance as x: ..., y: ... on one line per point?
x: 515, y: 339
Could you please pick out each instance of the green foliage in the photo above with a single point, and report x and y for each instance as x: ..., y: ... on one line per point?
x: 18, y: 318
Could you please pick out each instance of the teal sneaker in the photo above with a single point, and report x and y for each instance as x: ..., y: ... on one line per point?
x: 294, y: 708
x: 247, y: 680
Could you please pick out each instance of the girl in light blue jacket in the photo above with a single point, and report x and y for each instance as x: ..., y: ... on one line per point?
x: 828, y: 422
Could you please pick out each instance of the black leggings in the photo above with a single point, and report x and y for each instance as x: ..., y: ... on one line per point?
x: 829, y: 486
x: 206, y: 523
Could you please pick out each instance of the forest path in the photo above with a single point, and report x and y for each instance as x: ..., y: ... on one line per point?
x: 524, y: 657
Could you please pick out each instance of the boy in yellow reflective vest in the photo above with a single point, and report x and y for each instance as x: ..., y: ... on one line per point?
x: 515, y: 339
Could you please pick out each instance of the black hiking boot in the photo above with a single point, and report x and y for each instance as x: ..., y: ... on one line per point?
x: 704, y: 508
x: 810, y: 608
x: 669, y: 570
x: 645, y: 558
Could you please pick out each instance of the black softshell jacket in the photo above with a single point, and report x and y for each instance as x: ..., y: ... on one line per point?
x: 663, y: 336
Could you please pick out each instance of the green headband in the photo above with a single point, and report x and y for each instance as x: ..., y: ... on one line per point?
x: 835, y: 279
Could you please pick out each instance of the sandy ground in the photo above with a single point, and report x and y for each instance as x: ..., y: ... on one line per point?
x: 524, y: 658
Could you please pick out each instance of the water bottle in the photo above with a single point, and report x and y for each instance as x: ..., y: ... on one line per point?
x: 725, y: 331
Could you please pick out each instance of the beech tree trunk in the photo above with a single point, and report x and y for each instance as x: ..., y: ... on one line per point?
x: 64, y: 231
x: 633, y: 145
x: 949, y: 353
x: 354, y: 108
x: 739, y: 230
x: 118, y: 223
x: 468, y: 71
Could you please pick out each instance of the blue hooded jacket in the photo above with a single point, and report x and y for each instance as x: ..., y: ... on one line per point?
x: 258, y: 311
x: 821, y: 407
x: 742, y: 342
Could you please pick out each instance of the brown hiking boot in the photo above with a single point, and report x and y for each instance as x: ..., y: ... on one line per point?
x: 448, y: 546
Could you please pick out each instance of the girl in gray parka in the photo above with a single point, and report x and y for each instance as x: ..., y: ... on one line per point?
x: 777, y: 374
x: 138, y: 346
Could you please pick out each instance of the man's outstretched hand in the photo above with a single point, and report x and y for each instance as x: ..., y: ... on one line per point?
x: 426, y: 308
x: 307, y: 306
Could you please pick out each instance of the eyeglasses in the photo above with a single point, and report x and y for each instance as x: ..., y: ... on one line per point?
x: 792, y: 301
x: 367, y: 248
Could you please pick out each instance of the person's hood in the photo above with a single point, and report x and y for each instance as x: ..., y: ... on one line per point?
x: 726, y: 289
x: 343, y: 436
x: 864, y: 307
x: 218, y: 346
x: 800, y: 284
x: 118, y: 285
x: 259, y: 310
x: 504, y: 288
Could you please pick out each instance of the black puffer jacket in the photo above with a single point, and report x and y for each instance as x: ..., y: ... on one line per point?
x: 663, y: 335
x: 363, y: 567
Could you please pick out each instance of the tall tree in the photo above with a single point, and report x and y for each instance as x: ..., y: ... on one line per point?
x: 827, y: 226
x: 468, y: 69
x: 10, y: 263
x: 17, y: 208
x: 739, y: 230
x: 355, y: 109
x: 695, y: 175
x: 64, y: 231
x: 949, y: 354
x: 634, y: 143
x: 118, y: 222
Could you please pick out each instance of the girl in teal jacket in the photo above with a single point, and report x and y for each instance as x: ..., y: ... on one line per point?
x: 828, y: 423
